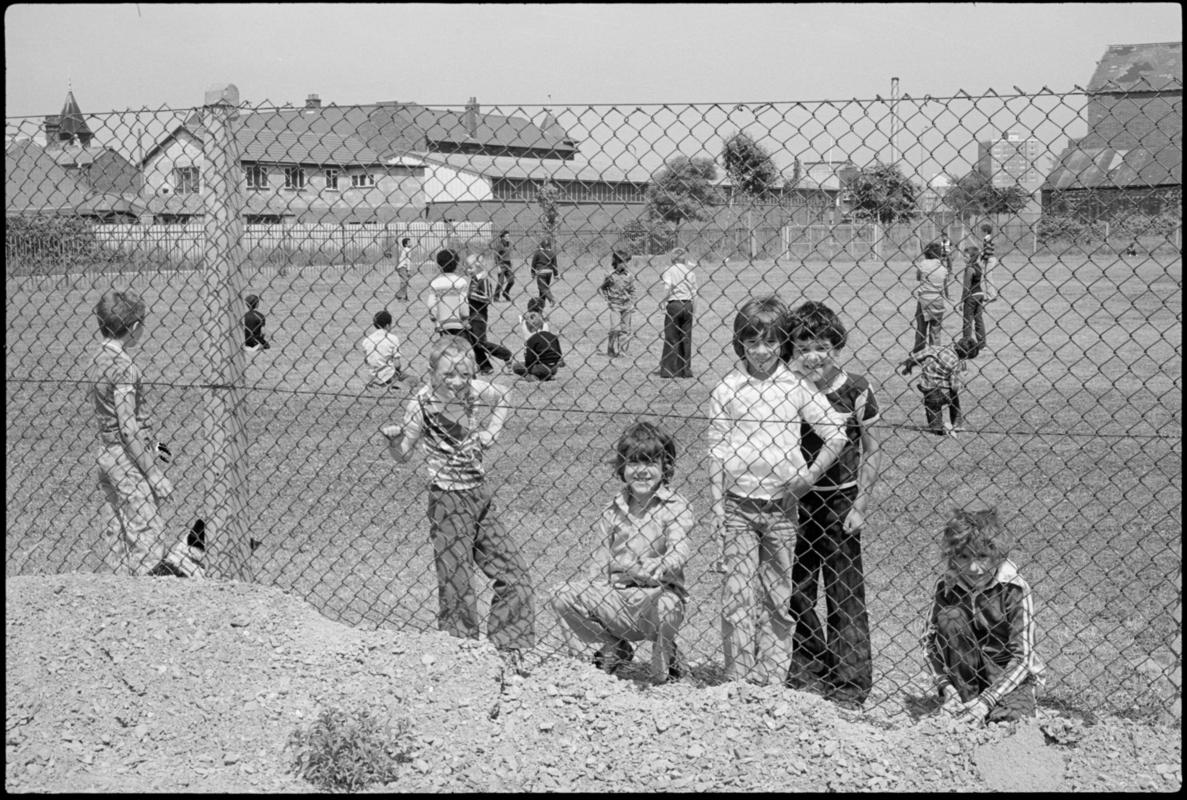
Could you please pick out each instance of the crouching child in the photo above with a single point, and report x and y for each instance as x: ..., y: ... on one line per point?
x: 635, y: 591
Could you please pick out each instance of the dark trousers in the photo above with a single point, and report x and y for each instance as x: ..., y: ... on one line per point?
x: 676, y: 360
x: 476, y: 334
x: 970, y: 672
x: 504, y: 282
x: 974, y: 320
x: 934, y: 401
x: 841, y: 665
x: 539, y: 371
x: 544, y: 287
x: 466, y: 533
x: 927, y: 329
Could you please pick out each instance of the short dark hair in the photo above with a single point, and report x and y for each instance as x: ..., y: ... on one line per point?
x: 986, y: 228
x: 618, y: 257
x: 972, y: 251
x: 645, y: 441
x: 382, y: 319
x: 447, y: 260
x: 813, y: 320
x: 118, y: 311
x: 977, y: 531
x: 966, y: 347
x: 536, y: 304
x: 405, y: 240
x: 252, y: 300
x: 933, y: 250
x: 760, y: 318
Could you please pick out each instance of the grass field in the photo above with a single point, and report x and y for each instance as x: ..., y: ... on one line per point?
x: 1075, y: 434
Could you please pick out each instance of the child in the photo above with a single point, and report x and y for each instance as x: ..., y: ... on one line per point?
x: 756, y: 473
x: 253, y: 325
x: 132, y: 482
x: 940, y: 382
x: 619, y: 290
x: 988, y: 251
x: 931, y: 295
x: 403, y: 268
x: 381, y: 352
x: 506, y: 275
x: 946, y: 250
x: 980, y: 637
x: 544, y: 269
x: 635, y: 591
x: 976, y: 292
x: 542, y: 354
x: 456, y: 419
x: 480, y: 295
x: 448, y: 309
x: 831, y: 516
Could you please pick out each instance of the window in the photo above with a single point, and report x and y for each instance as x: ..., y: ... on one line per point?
x: 294, y: 178
x: 332, y: 180
x: 362, y: 180
x: 257, y: 177
x: 186, y: 180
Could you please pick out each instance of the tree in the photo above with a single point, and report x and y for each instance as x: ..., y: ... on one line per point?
x: 681, y: 189
x: 883, y: 194
x: 547, y: 196
x: 975, y: 195
x: 749, y: 166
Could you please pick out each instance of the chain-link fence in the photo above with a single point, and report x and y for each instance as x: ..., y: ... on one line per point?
x: 1071, y: 409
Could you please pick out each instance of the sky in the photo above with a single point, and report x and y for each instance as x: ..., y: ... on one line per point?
x: 131, y: 55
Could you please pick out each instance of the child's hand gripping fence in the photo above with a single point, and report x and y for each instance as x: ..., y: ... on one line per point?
x: 1072, y: 407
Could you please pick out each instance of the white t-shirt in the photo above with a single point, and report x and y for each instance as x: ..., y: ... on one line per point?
x: 447, y: 300
x: 681, y: 282
x: 381, y: 353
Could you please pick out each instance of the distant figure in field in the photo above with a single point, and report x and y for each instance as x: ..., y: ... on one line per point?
x: 449, y: 310
x: 253, y: 325
x: 980, y: 634
x: 501, y: 247
x: 976, y: 291
x: 680, y: 284
x: 940, y: 382
x: 544, y: 269
x: 931, y: 296
x: 946, y: 249
x: 381, y: 352
x: 403, y: 268
x: 542, y: 354
x: 619, y: 290
x: 480, y: 295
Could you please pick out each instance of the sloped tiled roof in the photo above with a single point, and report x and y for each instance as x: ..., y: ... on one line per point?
x: 34, y: 183
x: 1139, y: 67
x: 494, y: 130
x: 1107, y: 167
x: 71, y: 120
x: 297, y: 143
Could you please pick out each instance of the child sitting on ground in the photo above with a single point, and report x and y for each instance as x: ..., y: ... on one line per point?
x: 980, y: 637
x: 542, y: 355
x: 940, y: 382
x: 381, y: 352
x: 635, y: 591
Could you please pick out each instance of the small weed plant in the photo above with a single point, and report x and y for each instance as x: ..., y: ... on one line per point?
x: 348, y: 749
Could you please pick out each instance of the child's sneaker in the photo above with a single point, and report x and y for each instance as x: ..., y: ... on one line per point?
x: 513, y: 661
x: 612, y: 656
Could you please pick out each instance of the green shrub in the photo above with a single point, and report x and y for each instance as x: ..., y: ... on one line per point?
x: 347, y: 750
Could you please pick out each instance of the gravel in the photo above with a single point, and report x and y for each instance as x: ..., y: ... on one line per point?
x: 155, y: 685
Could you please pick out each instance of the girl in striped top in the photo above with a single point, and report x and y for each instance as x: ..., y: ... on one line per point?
x: 980, y: 636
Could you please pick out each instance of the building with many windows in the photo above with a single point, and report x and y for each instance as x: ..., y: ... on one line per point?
x: 1015, y: 160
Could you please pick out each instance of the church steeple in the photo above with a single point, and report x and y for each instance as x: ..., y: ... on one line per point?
x: 69, y: 127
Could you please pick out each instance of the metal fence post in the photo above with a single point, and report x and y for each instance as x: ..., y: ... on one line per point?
x: 224, y: 505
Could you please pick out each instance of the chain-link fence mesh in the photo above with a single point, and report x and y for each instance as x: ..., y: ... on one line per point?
x: 1072, y: 408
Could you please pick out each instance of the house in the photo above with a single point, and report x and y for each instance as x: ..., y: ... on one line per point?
x: 36, y: 184
x: 1132, y: 156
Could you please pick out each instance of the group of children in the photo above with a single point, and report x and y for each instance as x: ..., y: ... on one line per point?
x: 792, y: 461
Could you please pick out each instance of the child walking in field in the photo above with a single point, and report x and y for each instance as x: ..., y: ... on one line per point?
x: 130, y: 473
x: 619, y: 290
x: 456, y: 419
x: 381, y: 353
x: 940, y: 382
x: 635, y: 590
x: 253, y: 325
x: 756, y: 475
x: 976, y: 291
x: 832, y: 517
x: 979, y: 642
x: 931, y: 296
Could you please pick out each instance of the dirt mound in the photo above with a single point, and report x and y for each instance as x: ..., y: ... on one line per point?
x: 153, y: 685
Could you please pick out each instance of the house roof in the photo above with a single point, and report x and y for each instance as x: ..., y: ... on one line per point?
x: 493, y: 130
x: 71, y: 121
x: 1139, y: 67
x: 34, y: 183
x: 261, y: 139
x: 600, y: 171
x: 1109, y: 168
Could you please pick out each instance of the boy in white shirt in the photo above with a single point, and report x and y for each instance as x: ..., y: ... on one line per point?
x: 448, y: 301
x: 381, y: 353
x: 756, y: 474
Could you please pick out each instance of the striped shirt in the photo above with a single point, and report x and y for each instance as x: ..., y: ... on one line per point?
x: 619, y: 289
x: 113, y: 369
x: 661, y: 531
x: 446, y: 432
x: 941, y: 367
x: 1003, y: 624
x: 852, y: 396
x: 987, y: 249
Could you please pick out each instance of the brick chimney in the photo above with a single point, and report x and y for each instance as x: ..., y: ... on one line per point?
x: 52, y: 129
x: 312, y: 101
x: 472, y: 117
